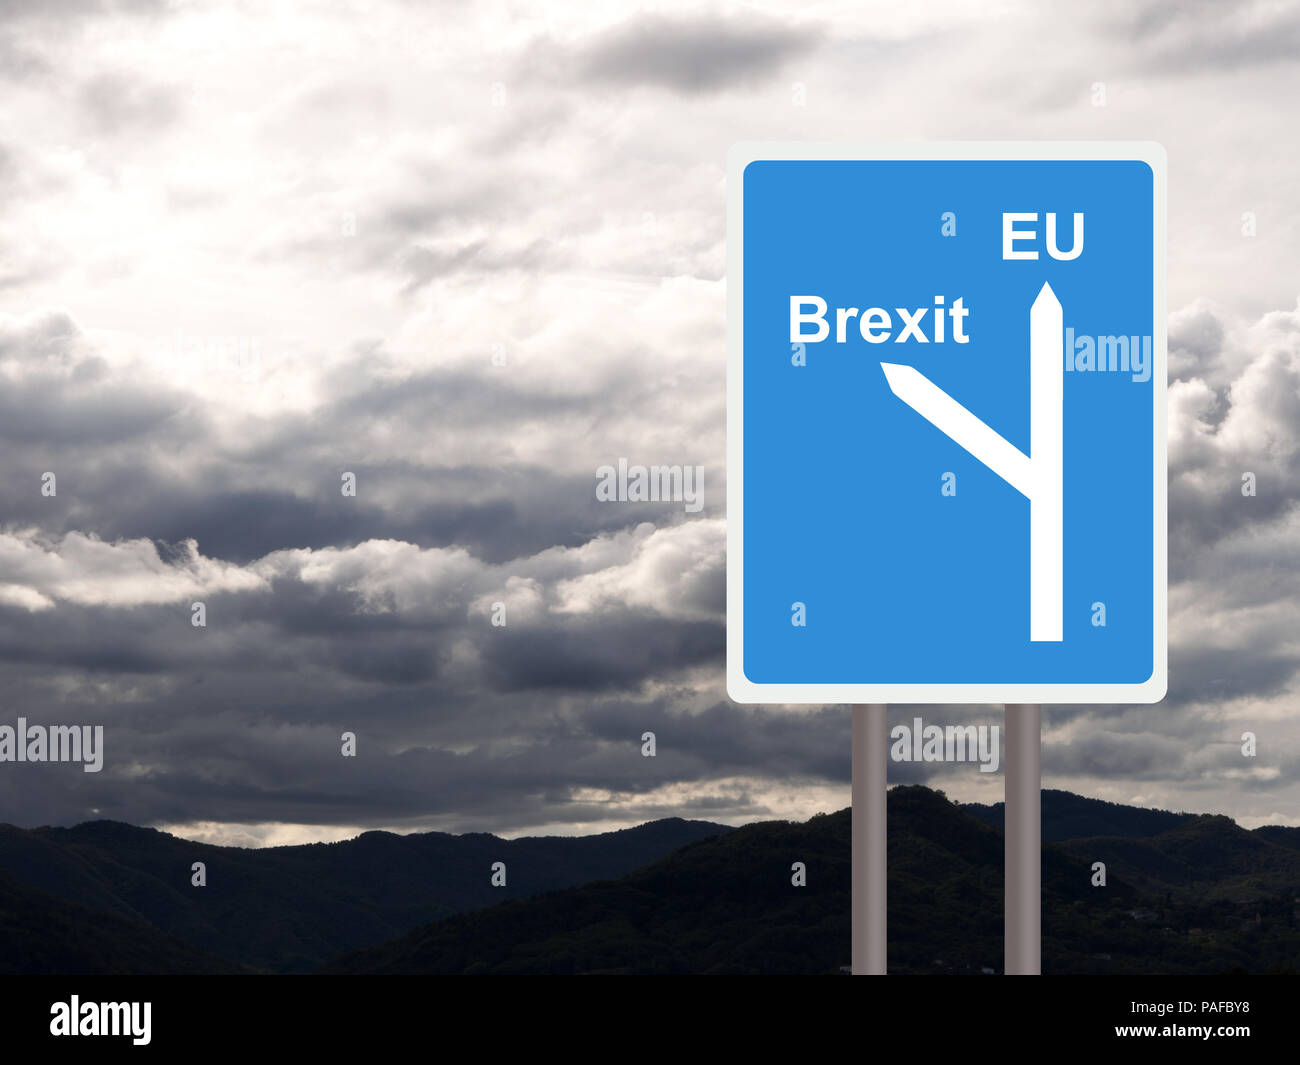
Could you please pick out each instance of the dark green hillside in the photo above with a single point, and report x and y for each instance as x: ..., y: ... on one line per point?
x: 289, y: 909
x: 42, y: 934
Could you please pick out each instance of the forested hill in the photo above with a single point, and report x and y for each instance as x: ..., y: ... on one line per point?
x: 728, y: 905
x: 288, y: 909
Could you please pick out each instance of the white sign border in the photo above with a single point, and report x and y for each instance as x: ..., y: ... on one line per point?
x: 739, y: 687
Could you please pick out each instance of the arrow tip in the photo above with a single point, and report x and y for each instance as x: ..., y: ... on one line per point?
x: 894, y: 374
x: 1046, y: 296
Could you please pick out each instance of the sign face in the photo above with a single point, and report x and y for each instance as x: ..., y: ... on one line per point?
x: 946, y: 423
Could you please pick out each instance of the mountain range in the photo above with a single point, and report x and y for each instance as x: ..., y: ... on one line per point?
x: 289, y: 909
x: 1183, y: 893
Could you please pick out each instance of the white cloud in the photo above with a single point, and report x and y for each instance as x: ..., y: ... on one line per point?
x: 84, y: 570
x: 673, y: 572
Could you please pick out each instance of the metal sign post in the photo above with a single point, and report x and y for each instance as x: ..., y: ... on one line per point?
x: 870, y: 764
x: 1023, y: 835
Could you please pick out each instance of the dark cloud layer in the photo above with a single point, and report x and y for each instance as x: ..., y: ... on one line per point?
x: 1190, y: 36
x: 693, y: 55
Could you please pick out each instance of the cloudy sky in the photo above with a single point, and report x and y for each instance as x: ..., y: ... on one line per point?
x: 472, y: 252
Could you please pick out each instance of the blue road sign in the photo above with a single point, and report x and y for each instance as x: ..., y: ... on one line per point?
x: 946, y: 423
